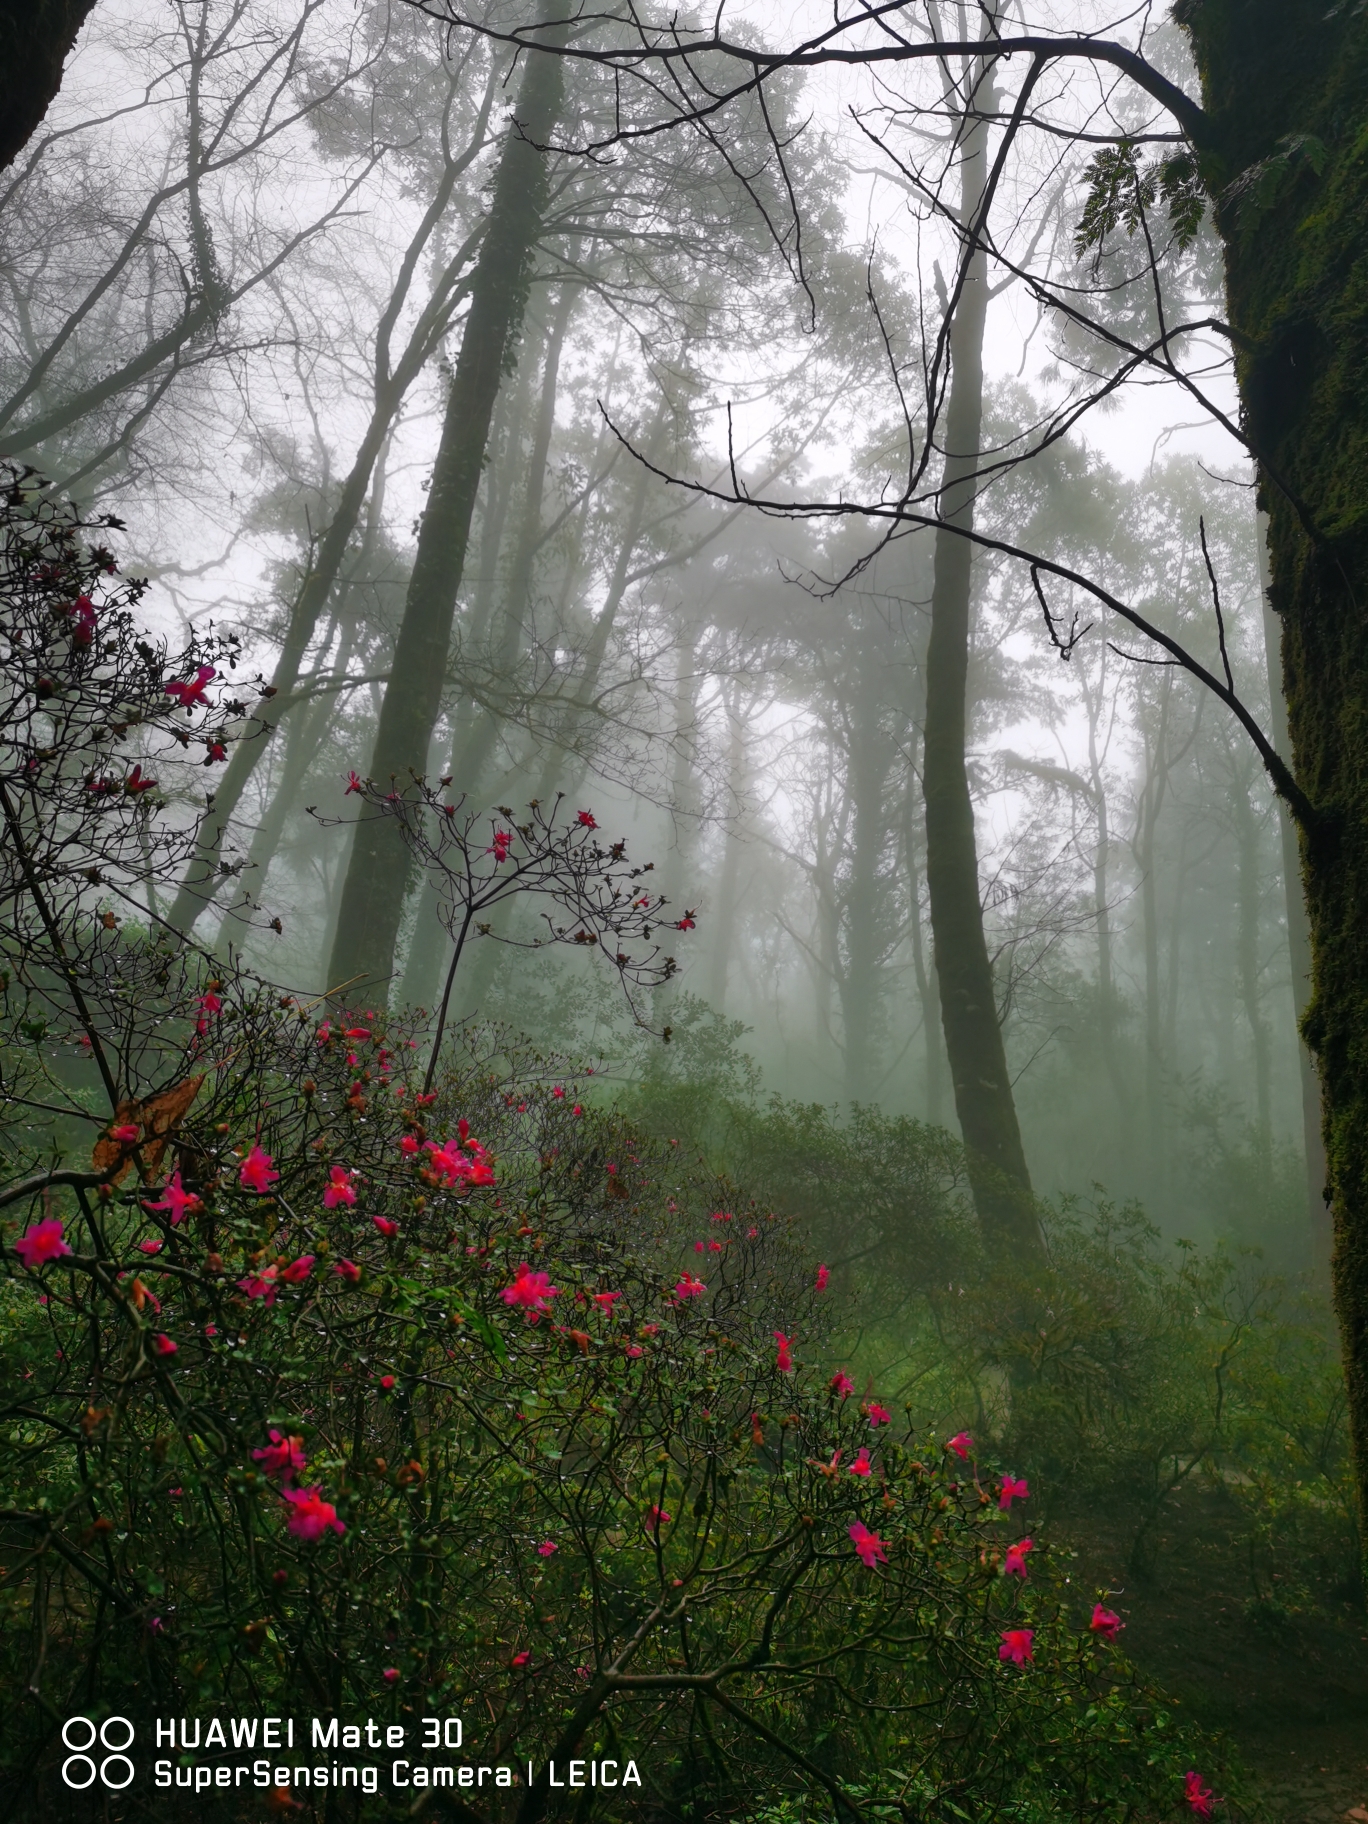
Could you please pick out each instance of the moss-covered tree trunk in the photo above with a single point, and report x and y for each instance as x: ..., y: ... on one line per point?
x: 373, y: 891
x: 1286, y: 91
x: 973, y: 1036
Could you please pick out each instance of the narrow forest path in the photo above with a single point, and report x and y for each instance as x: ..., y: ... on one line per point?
x: 1286, y: 1680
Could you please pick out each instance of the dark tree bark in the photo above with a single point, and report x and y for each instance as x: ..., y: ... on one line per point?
x: 1298, y: 305
x: 373, y: 892
x: 36, y: 37
x: 973, y: 1035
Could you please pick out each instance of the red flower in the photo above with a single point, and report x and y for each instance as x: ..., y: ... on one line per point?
x: 878, y: 1415
x: 1199, y: 1797
x: 153, y: 1246
x: 1105, y: 1622
x: 686, y: 923
x: 83, y: 610
x: 587, y: 820
x: 338, y: 1188
x: 520, y: 1659
x: 188, y: 694
x: 312, y: 1516
x: 217, y: 752
x: 558, y: 1094
x: 605, y: 1300
x: 783, y: 1360
x: 533, y: 1291
x: 689, y: 1287
x: 163, y: 1344
x: 1016, y: 1645
x: 138, y: 781
x: 1015, y: 1562
x: 502, y: 843
x: 127, y: 1134
x: 177, y: 1200
x: 255, y: 1173
x: 823, y: 1275
x: 356, y: 1032
x: 387, y: 1383
x: 961, y: 1444
x: 261, y: 1285
x: 860, y: 1467
x: 347, y: 1269
x: 1013, y: 1489
x: 656, y: 1517
x: 41, y: 1242
x: 841, y: 1383
x: 546, y: 1548
x: 869, y: 1545
x: 386, y: 1227
x: 297, y: 1271
x: 283, y: 1456
x: 353, y: 785
x: 390, y: 1674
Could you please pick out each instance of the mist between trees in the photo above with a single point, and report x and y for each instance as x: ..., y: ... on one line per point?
x: 748, y: 465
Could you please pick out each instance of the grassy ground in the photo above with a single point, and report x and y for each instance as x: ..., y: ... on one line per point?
x: 1291, y: 1690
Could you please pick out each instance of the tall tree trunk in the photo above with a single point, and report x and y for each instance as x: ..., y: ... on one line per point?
x: 372, y: 895
x: 928, y: 993
x: 858, y: 981
x: 1247, y: 961
x: 973, y: 1036
x: 1298, y: 946
x: 725, y: 911
x: 1298, y: 307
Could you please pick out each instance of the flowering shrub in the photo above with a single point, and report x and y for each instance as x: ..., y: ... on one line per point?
x: 333, y: 1392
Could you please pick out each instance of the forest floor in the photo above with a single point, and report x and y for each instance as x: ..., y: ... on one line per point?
x: 1291, y: 1693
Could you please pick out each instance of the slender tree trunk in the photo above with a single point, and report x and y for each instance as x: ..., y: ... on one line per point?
x: 973, y: 1035
x: 372, y: 895
x: 928, y: 993
x: 859, y: 980
x: 1298, y: 307
x: 726, y: 908
x: 1247, y: 962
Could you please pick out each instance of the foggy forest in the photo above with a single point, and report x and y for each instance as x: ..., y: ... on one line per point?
x: 684, y: 999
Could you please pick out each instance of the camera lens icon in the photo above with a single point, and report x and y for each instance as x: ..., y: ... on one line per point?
x: 114, y: 1770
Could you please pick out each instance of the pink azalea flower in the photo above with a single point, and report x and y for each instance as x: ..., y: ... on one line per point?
x: 127, y: 1134
x: 387, y: 1383
x: 347, y: 1269
x: 842, y: 1384
x: 860, y: 1467
x: 297, y: 1271
x: 1106, y: 1622
x: 869, y: 1545
x: 356, y: 1032
x: 283, y: 1456
x: 353, y: 785
x: 138, y: 781
x: 784, y: 1360
x: 338, y: 1188
x: 1016, y: 1645
x: 1013, y: 1489
x: 188, y: 694
x: 961, y: 1444
x: 502, y: 843
x: 255, y: 1173
x: 153, y: 1246
x: 577, y: 1110
x: 386, y: 1226
x: 163, y: 1344
x: 546, y: 1548
x: 41, y: 1242
x: 606, y: 1300
x: 878, y: 1415
x: 587, y: 820
x: 520, y: 1659
x: 558, y: 1094
x: 312, y: 1515
x: 689, y: 1287
x: 823, y: 1275
x: 687, y: 923
x: 390, y: 1675
x: 1014, y: 1565
x: 1199, y: 1797
x: 634, y: 1350
x: 656, y: 1517
x: 261, y: 1285
x: 533, y: 1291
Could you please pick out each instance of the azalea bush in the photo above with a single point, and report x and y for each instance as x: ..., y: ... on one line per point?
x: 479, y: 1403
x: 337, y: 1387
